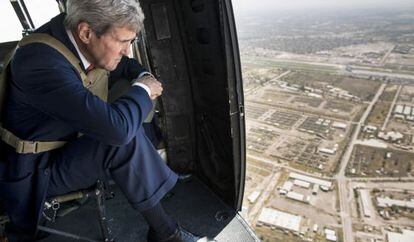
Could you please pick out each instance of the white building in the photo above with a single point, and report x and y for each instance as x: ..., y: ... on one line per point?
x: 273, y: 217
x: 410, y: 118
x: 330, y: 235
x: 315, y: 228
x: 315, y: 95
x: 365, y: 199
x: 405, y: 236
x: 399, y: 109
x: 384, y: 202
x: 339, y: 125
x: 253, y: 197
x: 390, y: 136
x: 301, y: 183
x: 310, y: 179
x: 370, y: 129
x: 287, y: 186
x: 315, y: 189
x: 407, y: 110
x: 327, y: 151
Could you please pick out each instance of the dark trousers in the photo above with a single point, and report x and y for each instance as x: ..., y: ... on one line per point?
x: 136, y: 168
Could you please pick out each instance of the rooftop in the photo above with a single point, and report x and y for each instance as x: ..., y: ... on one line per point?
x: 280, y: 219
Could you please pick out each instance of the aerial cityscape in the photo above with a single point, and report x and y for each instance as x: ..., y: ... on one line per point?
x: 329, y: 99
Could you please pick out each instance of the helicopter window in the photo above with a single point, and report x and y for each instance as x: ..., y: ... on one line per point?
x: 295, y: 55
x: 11, y: 29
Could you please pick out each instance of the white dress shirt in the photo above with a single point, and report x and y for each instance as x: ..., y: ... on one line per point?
x: 86, y: 64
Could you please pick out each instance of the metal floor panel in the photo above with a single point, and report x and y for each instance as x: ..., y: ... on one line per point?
x: 192, y: 204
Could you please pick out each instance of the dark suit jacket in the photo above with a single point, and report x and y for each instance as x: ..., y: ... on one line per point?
x: 47, y: 102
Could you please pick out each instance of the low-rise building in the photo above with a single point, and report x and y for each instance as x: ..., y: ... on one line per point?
x: 339, y: 125
x: 390, y: 136
x: 287, y: 186
x: 301, y: 183
x: 253, y: 197
x: 384, y: 202
x: 327, y: 151
x: 399, y: 109
x: 365, y: 199
x: 370, y: 129
x: 315, y: 189
x: 405, y: 236
x: 330, y: 235
x: 273, y: 217
x: 407, y: 110
x: 310, y: 179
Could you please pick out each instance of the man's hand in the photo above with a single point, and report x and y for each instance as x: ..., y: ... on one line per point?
x: 154, y: 85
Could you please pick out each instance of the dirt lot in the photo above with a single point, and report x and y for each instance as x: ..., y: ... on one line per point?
x: 343, y: 106
x: 256, y: 172
x: 373, y: 162
x: 311, y: 102
x: 389, y: 93
x: 379, y: 113
x: 254, y: 112
x: 362, y: 88
x: 274, y: 96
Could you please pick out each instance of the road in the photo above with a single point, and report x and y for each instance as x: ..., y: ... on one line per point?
x: 344, y: 193
x: 257, y: 88
x: 384, y: 125
x: 385, y: 57
x: 268, y: 186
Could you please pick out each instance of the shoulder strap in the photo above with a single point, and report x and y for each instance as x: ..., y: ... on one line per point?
x: 25, y: 146
x: 57, y: 45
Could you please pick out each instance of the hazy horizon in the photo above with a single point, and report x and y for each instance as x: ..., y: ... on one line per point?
x: 250, y: 6
x: 39, y: 10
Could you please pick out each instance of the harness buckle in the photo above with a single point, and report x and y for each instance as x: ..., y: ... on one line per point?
x: 27, y: 147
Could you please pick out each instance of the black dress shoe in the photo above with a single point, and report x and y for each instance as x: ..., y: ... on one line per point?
x: 180, y: 235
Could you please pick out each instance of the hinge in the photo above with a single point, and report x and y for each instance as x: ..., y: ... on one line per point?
x: 241, y: 110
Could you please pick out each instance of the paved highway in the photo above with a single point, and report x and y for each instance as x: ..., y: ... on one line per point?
x: 344, y: 191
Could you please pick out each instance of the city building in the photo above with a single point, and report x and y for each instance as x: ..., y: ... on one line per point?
x: 273, y: 217
x: 405, y: 236
x: 390, y: 136
x: 315, y: 189
x: 399, y: 109
x: 310, y: 179
x: 287, y: 186
x: 384, y: 202
x: 339, y: 125
x: 407, y: 110
x: 365, y: 199
x: 253, y: 197
x: 327, y: 151
x: 301, y: 183
x: 370, y: 129
x: 330, y: 235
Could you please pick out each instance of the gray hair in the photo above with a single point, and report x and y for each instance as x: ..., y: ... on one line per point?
x: 102, y: 15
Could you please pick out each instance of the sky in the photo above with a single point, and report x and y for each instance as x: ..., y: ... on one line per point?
x: 10, y: 28
x: 251, y: 6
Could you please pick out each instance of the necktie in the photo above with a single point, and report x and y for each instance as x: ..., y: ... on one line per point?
x: 90, y: 67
